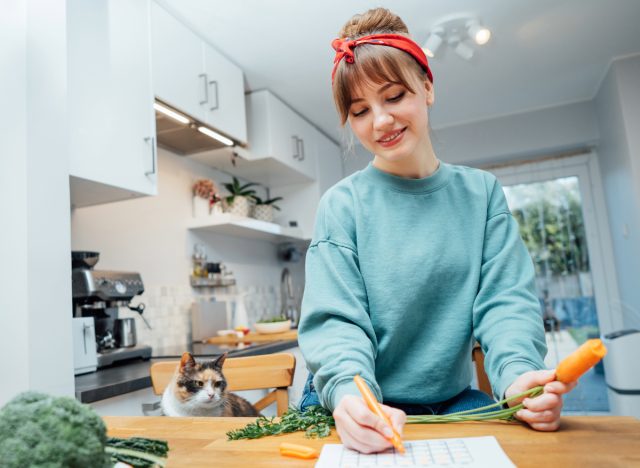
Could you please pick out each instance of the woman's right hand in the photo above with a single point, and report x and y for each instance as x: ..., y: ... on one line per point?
x: 361, y: 429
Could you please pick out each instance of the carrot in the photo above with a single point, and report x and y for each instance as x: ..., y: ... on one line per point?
x: 298, y: 451
x: 373, y: 405
x: 580, y: 361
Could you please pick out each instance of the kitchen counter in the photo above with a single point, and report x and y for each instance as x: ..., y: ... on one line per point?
x: 134, y: 375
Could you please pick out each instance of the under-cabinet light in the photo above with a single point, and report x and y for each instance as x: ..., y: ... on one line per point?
x: 216, y: 136
x: 170, y: 113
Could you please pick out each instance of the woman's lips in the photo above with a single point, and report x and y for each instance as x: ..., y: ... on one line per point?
x: 392, y: 138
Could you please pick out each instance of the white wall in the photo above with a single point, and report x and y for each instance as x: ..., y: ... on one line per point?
x: 149, y: 235
x: 618, y: 110
x: 35, y: 296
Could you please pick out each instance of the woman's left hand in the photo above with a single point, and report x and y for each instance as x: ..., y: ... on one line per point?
x: 542, y: 413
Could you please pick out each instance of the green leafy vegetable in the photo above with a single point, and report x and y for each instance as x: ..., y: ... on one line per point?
x: 137, y: 451
x: 39, y: 430
x: 279, y: 318
x: 315, y: 421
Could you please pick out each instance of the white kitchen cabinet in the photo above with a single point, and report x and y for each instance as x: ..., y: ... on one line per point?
x: 190, y: 75
x: 111, y: 119
x: 300, y: 201
x: 225, y: 93
x: 276, y: 131
x: 178, y: 74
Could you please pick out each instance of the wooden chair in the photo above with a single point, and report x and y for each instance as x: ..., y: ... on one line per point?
x: 483, y: 381
x: 268, y: 371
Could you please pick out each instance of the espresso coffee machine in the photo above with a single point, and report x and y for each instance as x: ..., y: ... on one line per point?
x: 99, y: 294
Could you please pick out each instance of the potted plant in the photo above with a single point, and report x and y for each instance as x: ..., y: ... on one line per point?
x: 263, y: 209
x: 240, y: 198
x: 206, y: 199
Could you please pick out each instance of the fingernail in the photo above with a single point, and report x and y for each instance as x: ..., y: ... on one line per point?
x: 387, y: 432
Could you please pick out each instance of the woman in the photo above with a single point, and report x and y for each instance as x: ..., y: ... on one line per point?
x: 412, y: 261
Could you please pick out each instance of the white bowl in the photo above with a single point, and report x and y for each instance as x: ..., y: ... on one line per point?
x: 273, y: 327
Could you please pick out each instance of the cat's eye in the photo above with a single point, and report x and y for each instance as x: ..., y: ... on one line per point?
x: 217, y: 384
x: 199, y: 383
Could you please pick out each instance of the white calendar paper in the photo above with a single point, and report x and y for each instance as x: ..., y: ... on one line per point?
x: 467, y: 452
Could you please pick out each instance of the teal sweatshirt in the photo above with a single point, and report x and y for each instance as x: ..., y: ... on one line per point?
x: 403, y: 275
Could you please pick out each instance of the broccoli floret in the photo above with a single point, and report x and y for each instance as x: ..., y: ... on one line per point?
x: 38, y: 430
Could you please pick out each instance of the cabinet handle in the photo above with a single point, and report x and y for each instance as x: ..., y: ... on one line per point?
x: 296, y: 147
x: 216, y: 95
x: 152, y: 140
x: 301, y: 141
x: 206, y: 88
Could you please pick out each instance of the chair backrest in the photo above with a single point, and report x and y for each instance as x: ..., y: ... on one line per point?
x: 483, y: 381
x: 244, y: 373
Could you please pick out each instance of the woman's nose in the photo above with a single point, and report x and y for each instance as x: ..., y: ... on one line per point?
x: 382, y: 118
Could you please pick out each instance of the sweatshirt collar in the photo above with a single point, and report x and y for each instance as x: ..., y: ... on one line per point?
x: 435, y: 181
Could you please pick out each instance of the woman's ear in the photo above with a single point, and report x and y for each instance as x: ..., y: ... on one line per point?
x: 428, y: 87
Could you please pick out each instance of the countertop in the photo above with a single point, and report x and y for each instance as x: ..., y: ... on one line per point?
x: 134, y: 375
x: 582, y: 441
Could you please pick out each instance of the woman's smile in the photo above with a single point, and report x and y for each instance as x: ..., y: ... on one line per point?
x: 390, y: 139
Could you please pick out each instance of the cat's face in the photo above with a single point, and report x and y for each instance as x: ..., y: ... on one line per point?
x: 200, y: 383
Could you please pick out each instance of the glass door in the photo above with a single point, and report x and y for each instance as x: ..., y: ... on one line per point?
x: 553, y: 205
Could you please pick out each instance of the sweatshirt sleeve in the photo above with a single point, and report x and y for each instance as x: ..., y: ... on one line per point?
x: 335, y: 333
x: 507, y: 318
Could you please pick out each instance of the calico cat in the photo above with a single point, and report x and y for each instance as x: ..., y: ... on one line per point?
x: 199, y: 389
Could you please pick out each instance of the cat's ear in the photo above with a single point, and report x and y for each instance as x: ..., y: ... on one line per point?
x: 218, y: 362
x: 187, y: 362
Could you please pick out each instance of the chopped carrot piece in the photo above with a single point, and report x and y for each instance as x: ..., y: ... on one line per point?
x: 298, y: 451
x: 580, y: 361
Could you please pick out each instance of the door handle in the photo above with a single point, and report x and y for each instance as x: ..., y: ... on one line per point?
x: 151, y: 140
x: 206, y: 88
x: 296, y: 147
x: 214, y: 82
x: 301, y: 141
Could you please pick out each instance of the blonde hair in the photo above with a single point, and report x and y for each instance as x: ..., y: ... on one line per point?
x: 373, y: 63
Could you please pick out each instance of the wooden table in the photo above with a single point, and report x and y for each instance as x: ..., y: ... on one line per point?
x: 582, y: 441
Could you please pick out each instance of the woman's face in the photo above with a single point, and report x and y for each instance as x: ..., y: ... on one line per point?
x: 391, y: 121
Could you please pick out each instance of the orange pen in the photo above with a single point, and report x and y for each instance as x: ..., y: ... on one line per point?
x: 374, y: 406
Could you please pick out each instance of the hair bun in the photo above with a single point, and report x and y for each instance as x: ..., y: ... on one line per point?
x: 374, y: 21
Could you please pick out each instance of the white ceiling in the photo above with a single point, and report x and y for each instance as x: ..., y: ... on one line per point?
x: 542, y: 53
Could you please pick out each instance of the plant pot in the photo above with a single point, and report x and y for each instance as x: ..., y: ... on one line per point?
x: 200, y: 207
x: 263, y: 212
x: 217, y: 209
x: 241, y: 206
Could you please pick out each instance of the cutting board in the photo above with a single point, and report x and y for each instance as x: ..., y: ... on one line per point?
x: 253, y: 337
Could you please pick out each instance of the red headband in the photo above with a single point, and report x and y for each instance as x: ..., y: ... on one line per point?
x: 344, y: 49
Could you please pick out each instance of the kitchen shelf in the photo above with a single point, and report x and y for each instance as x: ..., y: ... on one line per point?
x: 211, y: 282
x: 240, y: 226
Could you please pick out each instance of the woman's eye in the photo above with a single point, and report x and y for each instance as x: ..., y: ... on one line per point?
x: 397, y: 97
x: 359, y: 113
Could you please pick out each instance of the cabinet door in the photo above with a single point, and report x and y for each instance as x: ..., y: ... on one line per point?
x: 178, y: 64
x: 110, y: 100
x: 225, y: 109
x: 291, y: 137
x: 133, y: 142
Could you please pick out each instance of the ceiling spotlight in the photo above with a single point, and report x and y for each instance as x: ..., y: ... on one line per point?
x: 433, y: 42
x: 464, y: 51
x: 479, y: 34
